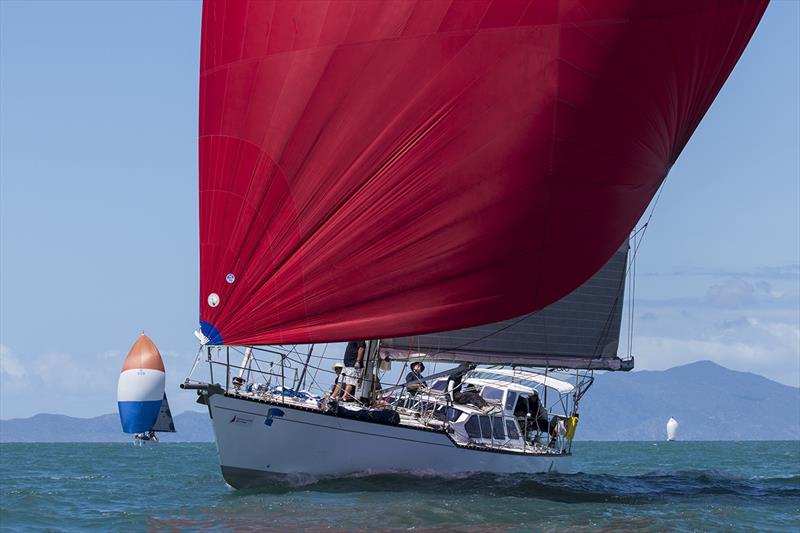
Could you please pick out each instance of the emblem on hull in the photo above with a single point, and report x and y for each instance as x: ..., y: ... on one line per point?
x: 272, y: 412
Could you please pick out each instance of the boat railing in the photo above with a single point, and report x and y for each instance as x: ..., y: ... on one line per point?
x: 278, y: 381
x: 250, y: 377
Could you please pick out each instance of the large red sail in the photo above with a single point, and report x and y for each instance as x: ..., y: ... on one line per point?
x: 378, y: 169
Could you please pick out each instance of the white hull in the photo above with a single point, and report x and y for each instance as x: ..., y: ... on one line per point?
x: 305, y: 443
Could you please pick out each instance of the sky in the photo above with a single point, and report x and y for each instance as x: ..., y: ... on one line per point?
x: 98, y: 208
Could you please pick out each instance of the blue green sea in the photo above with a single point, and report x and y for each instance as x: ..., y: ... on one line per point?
x: 630, y: 486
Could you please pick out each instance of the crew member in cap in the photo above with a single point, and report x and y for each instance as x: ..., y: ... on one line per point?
x: 336, y: 389
x: 414, y: 379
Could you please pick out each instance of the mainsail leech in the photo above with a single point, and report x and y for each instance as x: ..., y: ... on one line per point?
x: 580, y: 330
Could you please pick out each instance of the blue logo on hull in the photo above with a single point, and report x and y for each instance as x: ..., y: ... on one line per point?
x: 272, y: 412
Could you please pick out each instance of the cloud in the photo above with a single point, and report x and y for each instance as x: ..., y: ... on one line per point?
x: 782, y: 272
x: 70, y: 375
x: 737, y: 293
x: 768, y: 345
x: 110, y: 354
x: 12, y: 371
x: 77, y: 384
x: 775, y: 360
x: 744, y: 324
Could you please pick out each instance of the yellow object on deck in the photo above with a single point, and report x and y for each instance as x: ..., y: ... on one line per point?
x: 572, y: 423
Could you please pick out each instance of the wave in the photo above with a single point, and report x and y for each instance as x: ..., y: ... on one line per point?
x: 568, y: 488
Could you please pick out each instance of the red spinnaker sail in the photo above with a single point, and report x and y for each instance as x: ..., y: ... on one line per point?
x: 378, y: 169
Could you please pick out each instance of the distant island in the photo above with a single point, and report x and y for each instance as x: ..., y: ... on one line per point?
x: 710, y: 402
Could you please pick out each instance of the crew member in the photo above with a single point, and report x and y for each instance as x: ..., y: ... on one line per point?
x: 353, y: 356
x: 462, y: 396
x: 336, y: 389
x: 414, y: 379
x: 541, y: 420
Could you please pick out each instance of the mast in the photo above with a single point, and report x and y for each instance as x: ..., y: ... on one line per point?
x: 301, y: 382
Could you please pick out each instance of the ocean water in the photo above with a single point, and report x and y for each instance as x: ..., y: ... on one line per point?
x: 631, y: 486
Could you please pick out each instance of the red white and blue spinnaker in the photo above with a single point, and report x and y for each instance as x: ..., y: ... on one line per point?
x: 141, y: 399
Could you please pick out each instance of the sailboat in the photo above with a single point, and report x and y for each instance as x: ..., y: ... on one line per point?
x: 672, y: 429
x: 141, y: 399
x: 453, y: 183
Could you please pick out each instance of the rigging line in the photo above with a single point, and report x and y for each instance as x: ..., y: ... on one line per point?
x: 275, y: 352
x: 633, y: 303
x: 285, y: 357
x: 399, y: 377
x: 640, y: 233
x: 358, y: 401
x: 291, y: 360
x: 196, y: 361
x: 316, y: 369
x: 631, y: 300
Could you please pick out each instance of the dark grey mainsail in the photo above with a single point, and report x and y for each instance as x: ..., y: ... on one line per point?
x: 579, y: 331
x: 164, y: 421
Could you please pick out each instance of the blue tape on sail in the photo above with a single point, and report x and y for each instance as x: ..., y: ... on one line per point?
x: 214, y: 336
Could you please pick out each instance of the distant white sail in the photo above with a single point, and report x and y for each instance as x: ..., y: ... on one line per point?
x: 672, y: 428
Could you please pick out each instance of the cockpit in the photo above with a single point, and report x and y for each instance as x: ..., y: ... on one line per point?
x: 505, y: 408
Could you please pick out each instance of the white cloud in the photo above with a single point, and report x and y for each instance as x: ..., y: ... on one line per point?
x: 786, y: 334
x: 739, y: 293
x: 76, y: 384
x: 111, y: 354
x: 743, y: 324
x: 789, y: 272
x: 768, y: 348
x: 72, y: 375
x: 12, y: 370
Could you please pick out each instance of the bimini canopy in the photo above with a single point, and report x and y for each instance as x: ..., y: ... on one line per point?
x: 385, y: 169
x: 522, y: 378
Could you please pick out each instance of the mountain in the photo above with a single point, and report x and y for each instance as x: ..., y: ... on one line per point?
x: 191, y: 427
x: 710, y: 402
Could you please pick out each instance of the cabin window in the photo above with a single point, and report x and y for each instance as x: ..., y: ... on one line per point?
x: 492, y: 393
x: 453, y: 414
x: 473, y: 428
x: 511, y: 426
x: 486, y: 427
x: 511, y: 399
x: 497, y: 428
x: 440, y: 385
